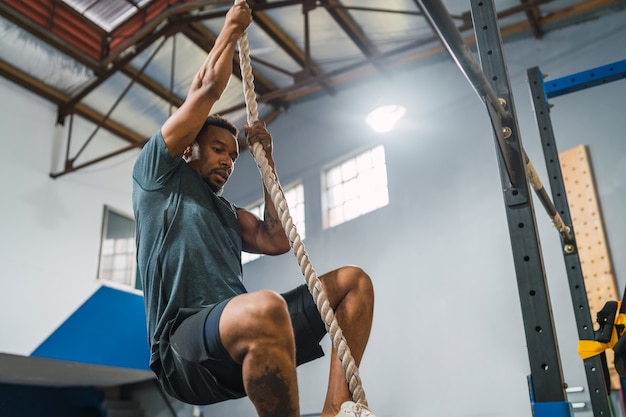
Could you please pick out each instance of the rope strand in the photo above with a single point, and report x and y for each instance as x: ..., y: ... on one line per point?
x: 272, y: 185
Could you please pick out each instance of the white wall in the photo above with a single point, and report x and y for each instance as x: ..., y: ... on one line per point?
x: 447, y: 337
x: 50, y: 228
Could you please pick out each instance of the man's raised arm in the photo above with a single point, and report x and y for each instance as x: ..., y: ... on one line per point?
x: 208, y: 84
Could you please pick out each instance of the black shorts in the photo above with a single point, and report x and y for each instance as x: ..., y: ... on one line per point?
x: 198, y: 370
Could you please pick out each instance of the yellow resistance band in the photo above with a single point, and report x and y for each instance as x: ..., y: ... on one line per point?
x: 590, y: 348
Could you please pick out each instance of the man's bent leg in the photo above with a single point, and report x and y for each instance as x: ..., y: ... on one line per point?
x: 351, y: 295
x: 255, y: 330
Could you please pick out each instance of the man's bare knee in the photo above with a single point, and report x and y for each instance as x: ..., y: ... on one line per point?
x: 355, y: 280
x: 270, y: 322
x: 254, y: 321
x: 270, y: 309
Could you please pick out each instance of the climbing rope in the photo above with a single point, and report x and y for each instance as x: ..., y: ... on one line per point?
x: 270, y: 180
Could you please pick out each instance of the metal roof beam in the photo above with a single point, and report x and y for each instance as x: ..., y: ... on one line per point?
x: 352, y: 29
x: 152, y: 85
x: 289, y: 46
x: 533, y: 16
x: 17, y: 76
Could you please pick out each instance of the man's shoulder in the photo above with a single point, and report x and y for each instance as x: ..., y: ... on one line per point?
x: 154, y: 164
x: 154, y: 143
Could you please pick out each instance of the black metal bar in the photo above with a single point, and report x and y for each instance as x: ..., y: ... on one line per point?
x: 443, y: 24
x: 69, y: 138
x: 543, y: 353
x: 371, y: 9
x: 172, y: 69
x: 307, y: 40
x: 595, y: 367
x: 71, y: 168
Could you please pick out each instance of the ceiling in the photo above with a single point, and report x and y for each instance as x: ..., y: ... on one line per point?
x: 123, y: 66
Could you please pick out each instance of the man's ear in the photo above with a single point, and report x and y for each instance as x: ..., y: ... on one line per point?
x: 187, y: 152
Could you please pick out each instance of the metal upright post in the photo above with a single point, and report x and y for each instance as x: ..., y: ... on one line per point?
x: 548, y: 394
x: 596, y: 366
x: 490, y: 81
x: 545, y: 364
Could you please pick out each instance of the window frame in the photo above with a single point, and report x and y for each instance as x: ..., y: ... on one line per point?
x: 132, y: 281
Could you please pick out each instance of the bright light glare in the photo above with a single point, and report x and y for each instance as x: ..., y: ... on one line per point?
x: 384, y: 118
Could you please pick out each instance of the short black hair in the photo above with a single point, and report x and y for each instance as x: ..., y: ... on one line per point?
x: 219, y: 121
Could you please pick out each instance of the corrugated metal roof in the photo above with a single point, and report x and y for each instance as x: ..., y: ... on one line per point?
x: 107, y: 14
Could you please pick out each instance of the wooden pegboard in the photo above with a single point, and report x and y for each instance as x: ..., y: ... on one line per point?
x: 593, y: 251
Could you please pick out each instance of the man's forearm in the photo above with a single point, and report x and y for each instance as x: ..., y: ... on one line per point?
x: 272, y: 225
x: 218, y: 65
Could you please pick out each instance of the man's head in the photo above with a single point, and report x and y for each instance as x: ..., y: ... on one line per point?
x: 214, y: 152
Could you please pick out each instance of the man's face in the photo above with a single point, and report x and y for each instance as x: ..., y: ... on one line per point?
x: 214, y: 156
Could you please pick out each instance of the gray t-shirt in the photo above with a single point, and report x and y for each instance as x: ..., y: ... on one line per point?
x: 188, y: 240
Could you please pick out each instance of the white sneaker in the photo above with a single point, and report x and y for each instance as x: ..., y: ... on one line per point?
x: 352, y: 409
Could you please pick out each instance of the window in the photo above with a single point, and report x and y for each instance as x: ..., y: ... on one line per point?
x: 355, y: 187
x: 117, y: 264
x: 295, y: 201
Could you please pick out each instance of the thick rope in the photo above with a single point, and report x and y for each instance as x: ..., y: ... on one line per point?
x: 270, y: 180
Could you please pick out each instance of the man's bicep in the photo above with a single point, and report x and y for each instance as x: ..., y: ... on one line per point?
x: 178, y: 131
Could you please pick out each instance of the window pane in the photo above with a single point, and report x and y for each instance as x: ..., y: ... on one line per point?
x: 373, y: 180
x: 117, y: 253
x: 335, y: 196
x: 335, y: 216
x: 108, y: 247
x: 348, y: 170
x: 119, y: 262
x: 352, y: 209
x: 364, y: 162
x: 351, y: 190
x: 107, y: 262
x: 333, y: 177
x: 298, y: 212
x: 121, y: 245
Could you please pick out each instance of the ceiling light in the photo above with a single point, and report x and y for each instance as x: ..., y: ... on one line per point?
x: 384, y: 118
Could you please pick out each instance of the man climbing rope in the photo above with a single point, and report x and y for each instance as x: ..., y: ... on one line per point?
x: 210, y: 339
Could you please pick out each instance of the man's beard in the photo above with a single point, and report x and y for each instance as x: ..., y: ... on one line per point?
x: 217, y: 192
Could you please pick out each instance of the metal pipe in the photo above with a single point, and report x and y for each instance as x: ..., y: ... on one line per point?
x: 442, y: 23
x: 70, y: 167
